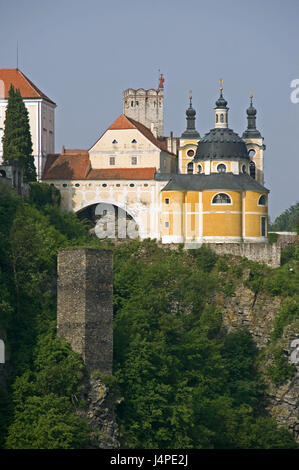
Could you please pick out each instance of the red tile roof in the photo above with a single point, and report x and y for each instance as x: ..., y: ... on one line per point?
x: 20, y: 81
x: 77, y: 167
x: 124, y: 122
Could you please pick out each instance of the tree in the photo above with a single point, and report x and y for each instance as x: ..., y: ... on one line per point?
x: 17, y: 143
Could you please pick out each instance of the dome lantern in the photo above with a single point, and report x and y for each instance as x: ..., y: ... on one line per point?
x: 190, y: 132
x: 221, y: 110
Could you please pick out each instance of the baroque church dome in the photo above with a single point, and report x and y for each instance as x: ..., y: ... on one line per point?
x: 221, y: 143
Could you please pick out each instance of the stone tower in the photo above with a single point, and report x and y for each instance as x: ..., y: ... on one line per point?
x: 85, y: 305
x: 146, y: 106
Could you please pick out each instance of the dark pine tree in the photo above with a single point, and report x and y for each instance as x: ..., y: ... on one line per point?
x: 17, y: 143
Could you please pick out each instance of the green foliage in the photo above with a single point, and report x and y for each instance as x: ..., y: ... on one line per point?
x: 289, y: 311
x: 17, y: 144
x: 42, y: 194
x: 184, y: 384
x: 46, y: 374
x: 272, y: 237
x: 280, y: 370
x: 288, y: 220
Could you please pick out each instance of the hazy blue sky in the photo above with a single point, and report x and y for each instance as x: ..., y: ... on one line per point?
x: 83, y: 54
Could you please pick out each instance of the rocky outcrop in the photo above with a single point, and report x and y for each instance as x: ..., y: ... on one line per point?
x: 101, y: 401
x: 256, y: 312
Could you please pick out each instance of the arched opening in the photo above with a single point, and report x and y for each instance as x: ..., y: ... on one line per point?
x: 190, y: 168
x: 262, y: 200
x: 109, y: 221
x: 199, y: 168
x: 221, y: 168
x: 252, y: 170
x: 221, y: 198
x: 2, y: 174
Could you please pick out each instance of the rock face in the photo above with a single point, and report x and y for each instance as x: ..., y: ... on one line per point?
x: 256, y: 312
x: 100, y: 413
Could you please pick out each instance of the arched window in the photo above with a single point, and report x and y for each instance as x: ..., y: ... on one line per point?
x: 251, y: 153
x: 221, y: 198
x: 221, y: 168
x: 244, y: 168
x: 199, y: 168
x: 252, y: 170
x: 221, y: 117
x: 216, y: 117
x: 262, y: 200
x: 190, y: 168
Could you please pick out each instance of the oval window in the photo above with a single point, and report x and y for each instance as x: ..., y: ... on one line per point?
x: 251, y: 153
x: 104, y: 185
x: 190, y: 153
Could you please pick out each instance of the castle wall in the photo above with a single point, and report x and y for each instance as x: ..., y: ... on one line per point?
x: 268, y: 253
x: 85, y: 305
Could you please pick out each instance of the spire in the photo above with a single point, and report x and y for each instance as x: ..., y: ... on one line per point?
x: 190, y: 132
x: 221, y: 110
x: 251, y: 130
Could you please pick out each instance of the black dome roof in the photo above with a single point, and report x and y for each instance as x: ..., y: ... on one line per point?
x: 221, y: 144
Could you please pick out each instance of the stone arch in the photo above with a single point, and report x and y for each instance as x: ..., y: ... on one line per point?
x: 111, y: 220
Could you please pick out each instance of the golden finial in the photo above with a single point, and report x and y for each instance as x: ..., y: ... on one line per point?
x: 190, y: 95
x: 220, y: 83
x: 251, y: 95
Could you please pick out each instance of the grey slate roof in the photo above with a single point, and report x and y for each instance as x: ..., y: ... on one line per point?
x: 221, y: 144
x: 215, y: 181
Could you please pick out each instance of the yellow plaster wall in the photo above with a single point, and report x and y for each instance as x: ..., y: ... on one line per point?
x: 172, y: 213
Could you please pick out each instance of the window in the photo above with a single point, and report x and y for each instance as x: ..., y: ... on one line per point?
x: 133, y: 160
x: 199, y: 168
x: 221, y: 117
x: 216, y: 117
x: 118, y: 185
x: 166, y: 224
x: 132, y: 104
x: 132, y: 185
x: 221, y: 168
x: 114, y: 141
x: 262, y: 200
x: 252, y: 170
x: 111, y: 160
x: 134, y: 141
x: 190, y: 153
x: 190, y: 168
x: 244, y: 168
x: 251, y: 153
x: 77, y: 185
x: 263, y: 226
x: 64, y: 185
x: 167, y: 200
x: 2, y: 174
x: 104, y: 185
x: 221, y: 198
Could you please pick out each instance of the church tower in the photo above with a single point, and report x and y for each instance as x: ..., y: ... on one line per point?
x: 254, y: 143
x: 188, y: 143
x: 146, y: 107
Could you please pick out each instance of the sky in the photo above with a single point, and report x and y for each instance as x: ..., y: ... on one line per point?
x: 83, y: 54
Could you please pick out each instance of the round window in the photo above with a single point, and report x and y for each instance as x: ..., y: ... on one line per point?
x: 251, y: 153
x: 190, y: 153
x: 132, y: 185
x: 104, y: 185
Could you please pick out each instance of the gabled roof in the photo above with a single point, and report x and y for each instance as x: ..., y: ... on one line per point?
x: 124, y: 122
x: 71, y: 166
x: 16, y: 78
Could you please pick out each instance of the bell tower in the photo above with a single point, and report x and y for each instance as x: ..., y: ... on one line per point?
x: 146, y: 107
x: 254, y: 143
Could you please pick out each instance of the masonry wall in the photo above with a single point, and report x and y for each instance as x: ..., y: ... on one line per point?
x: 85, y: 305
x: 268, y: 253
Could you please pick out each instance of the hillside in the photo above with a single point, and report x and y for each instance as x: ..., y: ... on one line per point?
x: 189, y: 368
